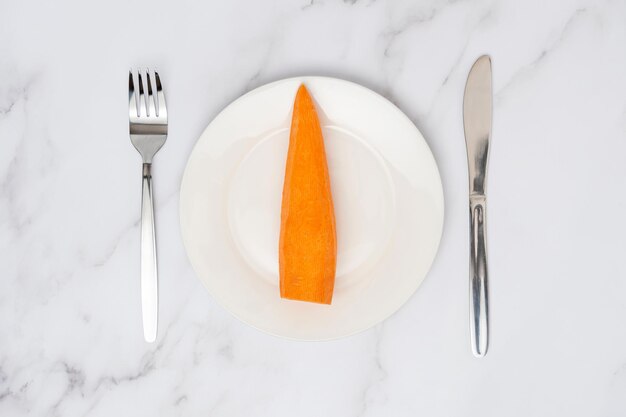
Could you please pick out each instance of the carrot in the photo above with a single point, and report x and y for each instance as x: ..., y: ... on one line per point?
x: 308, y: 243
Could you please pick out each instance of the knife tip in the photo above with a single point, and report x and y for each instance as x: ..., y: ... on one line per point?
x: 483, y: 60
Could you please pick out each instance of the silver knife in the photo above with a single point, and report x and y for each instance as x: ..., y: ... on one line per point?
x: 477, y: 112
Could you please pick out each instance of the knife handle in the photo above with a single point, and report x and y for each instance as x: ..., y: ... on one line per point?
x: 479, y: 298
x: 149, y: 285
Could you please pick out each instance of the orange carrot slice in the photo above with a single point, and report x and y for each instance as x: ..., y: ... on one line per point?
x: 308, y: 242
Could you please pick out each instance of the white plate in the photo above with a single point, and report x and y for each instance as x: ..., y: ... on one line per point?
x: 386, y: 191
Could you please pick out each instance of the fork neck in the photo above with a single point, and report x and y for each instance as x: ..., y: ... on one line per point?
x: 147, y: 170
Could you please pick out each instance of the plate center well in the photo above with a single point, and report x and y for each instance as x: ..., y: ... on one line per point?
x: 363, y: 198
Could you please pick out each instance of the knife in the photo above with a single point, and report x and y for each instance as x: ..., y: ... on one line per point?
x: 477, y: 112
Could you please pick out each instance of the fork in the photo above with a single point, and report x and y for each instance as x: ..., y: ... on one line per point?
x: 148, y: 130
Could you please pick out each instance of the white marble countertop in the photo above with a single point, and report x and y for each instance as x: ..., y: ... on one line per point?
x: 70, y: 325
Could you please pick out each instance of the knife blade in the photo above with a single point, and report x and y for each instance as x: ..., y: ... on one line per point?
x: 477, y: 115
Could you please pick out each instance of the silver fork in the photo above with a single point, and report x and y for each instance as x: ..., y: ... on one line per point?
x: 148, y: 131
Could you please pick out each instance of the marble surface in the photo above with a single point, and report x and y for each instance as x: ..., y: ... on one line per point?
x: 70, y: 324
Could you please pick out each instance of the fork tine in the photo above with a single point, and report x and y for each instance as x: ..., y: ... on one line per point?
x: 151, y: 106
x: 132, y: 97
x: 142, y: 97
x: 161, y: 109
x: 151, y: 98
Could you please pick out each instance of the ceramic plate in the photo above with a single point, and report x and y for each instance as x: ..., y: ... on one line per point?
x: 387, y: 195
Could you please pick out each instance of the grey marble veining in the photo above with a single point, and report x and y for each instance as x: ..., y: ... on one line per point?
x: 70, y: 324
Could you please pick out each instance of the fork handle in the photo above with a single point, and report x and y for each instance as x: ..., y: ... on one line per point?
x: 479, y: 296
x: 149, y: 286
